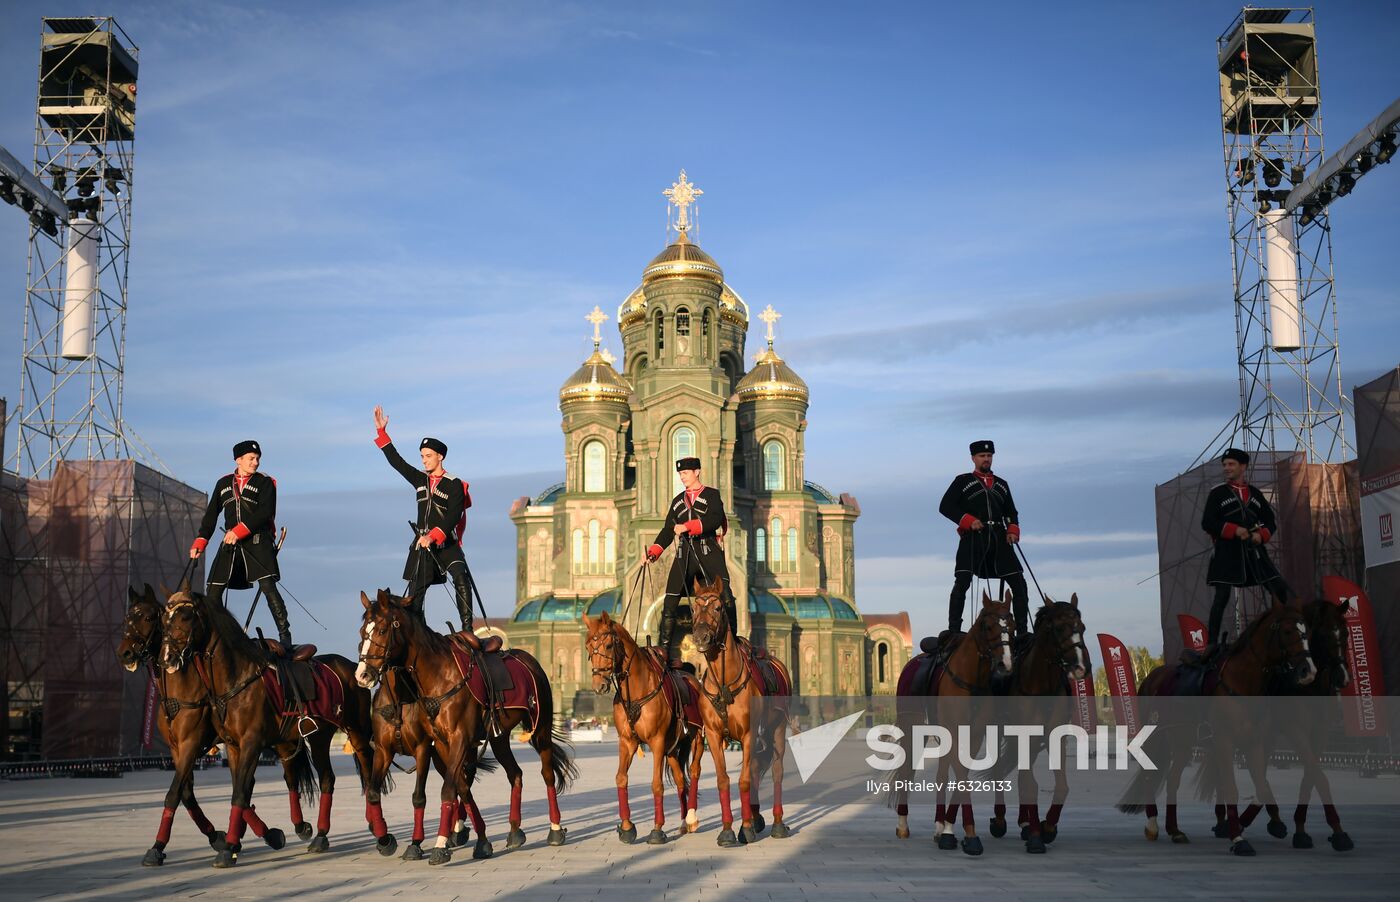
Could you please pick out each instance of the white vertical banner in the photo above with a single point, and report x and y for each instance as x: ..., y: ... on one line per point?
x: 1380, y: 516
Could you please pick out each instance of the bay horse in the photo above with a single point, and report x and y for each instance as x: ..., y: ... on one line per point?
x: 244, y: 711
x: 647, y: 710
x: 1273, y: 645
x: 744, y: 696
x: 392, y: 634
x: 401, y: 725
x: 966, y: 671
x: 1041, y: 677
x: 1327, y: 632
x: 186, y: 726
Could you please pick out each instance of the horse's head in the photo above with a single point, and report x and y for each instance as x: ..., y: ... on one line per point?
x: 140, y: 629
x: 707, y: 620
x: 184, y: 627
x: 1327, y: 641
x: 606, y: 652
x: 1280, y: 642
x: 1058, y: 625
x: 382, y: 643
x: 991, y: 633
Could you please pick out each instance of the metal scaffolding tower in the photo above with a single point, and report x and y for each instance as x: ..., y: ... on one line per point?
x: 70, y: 401
x: 1285, y: 301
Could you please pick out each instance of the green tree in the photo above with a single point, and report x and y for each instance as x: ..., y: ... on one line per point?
x: 1144, y: 661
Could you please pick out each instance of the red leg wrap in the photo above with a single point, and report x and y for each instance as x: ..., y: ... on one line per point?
x: 374, y: 814
x: 694, y: 795
x: 515, y: 804
x: 745, y: 813
x: 1033, y: 819
x: 1333, y: 819
x: 1300, y: 815
x: 294, y: 802
x: 554, y: 816
x: 449, y: 810
x: 967, y: 814
x: 250, y: 817
x: 167, y: 820
x: 478, y: 822
x: 1151, y: 809
x: 323, y: 816
x: 1248, y: 815
x: 1052, y: 817
x: 624, y: 810
x: 235, y: 825
x: 726, y: 814
x: 658, y: 804
x: 1171, y: 819
x: 777, y: 800
x: 999, y: 810
x: 1232, y: 817
x: 418, y: 824
x: 902, y: 809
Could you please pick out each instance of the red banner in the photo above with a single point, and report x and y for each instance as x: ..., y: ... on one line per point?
x: 1082, y: 691
x: 1122, y: 682
x: 1193, y: 632
x: 1364, y: 715
x: 148, y: 717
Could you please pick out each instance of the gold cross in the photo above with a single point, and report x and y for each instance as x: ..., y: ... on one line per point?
x: 597, y: 318
x: 770, y: 316
x: 682, y: 193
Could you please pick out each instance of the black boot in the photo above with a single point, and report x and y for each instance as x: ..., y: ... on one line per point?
x: 666, y: 629
x: 731, y: 610
x: 278, y: 608
x: 464, y: 603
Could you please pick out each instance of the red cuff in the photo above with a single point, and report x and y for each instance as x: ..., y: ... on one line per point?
x: 965, y: 523
x: 654, y: 551
x: 1227, y: 531
x: 241, y: 531
x: 1014, y: 530
x: 437, y: 535
x: 381, y: 439
x: 693, y: 527
x: 200, y: 543
x: 1264, y: 533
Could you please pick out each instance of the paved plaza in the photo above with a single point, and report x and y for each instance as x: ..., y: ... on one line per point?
x: 84, y: 838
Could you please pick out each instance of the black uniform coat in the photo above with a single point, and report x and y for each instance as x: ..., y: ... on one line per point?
x: 985, y: 553
x: 705, y: 520
x: 250, y: 514
x: 442, y: 514
x: 1236, y: 562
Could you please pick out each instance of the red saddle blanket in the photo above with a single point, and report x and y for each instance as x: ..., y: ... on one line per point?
x: 769, y: 676
x: 329, y: 703
x: 689, y: 687
x: 522, y: 694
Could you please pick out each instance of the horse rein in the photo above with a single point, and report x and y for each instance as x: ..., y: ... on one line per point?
x: 1276, y: 630
x: 985, y: 652
x: 617, y: 673
x: 171, y: 706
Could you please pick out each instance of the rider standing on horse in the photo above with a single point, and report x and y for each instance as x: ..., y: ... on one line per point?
x: 696, y: 517
x: 443, y: 500
x: 1241, y: 521
x: 248, y: 552
x: 980, y: 504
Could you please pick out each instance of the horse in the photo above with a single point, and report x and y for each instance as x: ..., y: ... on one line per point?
x: 964, y: 669
x: 744, y: 696
x: 449, y: 680
x: 648, y: 709
x: 1274, y: 643
x: 234, y: 671
x: 401, y: 725
x: 1327, y: 631
x: 1057, y: 655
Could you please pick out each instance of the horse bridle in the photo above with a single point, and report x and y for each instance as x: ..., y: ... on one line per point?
x: 218, y: 702
x: 187, y: 639
x: 616, y: 673
x: 144, y: 655
x: 1276, y: 630
x: 986, y: 651
x: 172, y: 706
x: 1063, y: 631
x: 376, y: 671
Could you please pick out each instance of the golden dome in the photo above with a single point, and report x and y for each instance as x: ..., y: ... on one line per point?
x: 682, y: 259
x: 770, y: 379
x: 731, y: 306
x: 596, y: 380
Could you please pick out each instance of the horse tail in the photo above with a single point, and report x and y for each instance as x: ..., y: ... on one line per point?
x: 565, y: 770
x: 1142, y: 789
x: 1207, y: 782
x: 486, y: 764
x: 301, y: 775
x: 684, y: 746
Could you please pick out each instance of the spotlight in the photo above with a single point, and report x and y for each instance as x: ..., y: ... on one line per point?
x: 86, y: 182
x: 26, y: 201
x: 7, y: 189
x: 1244, y: 171
x: 1295, y: 175
x: 113, y: 177
x: 1345, y: 182
x: 59, y: 176
x: 1309, y: 213
x: 1364, y: 161
x: 1273, y: 172
x: 49, y: 224
x: 1385, y: 148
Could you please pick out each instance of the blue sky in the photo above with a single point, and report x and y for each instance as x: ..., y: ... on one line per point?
x: 979, y: 220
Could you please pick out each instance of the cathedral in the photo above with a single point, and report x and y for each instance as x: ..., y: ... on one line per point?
x: 683, y: 391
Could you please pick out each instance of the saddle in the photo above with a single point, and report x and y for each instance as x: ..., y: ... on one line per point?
x: 295, y: 669
x: 1194, y: 674
x: 497, y: 679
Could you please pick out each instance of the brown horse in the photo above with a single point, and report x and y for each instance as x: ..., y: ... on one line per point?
x: 646, y: 712
x: 976, y: 658
x: 1041, y: 677
x: 184, y: 722
x: 401, y: 725
x: 393, y: 635
x: 231, y: 668
x: 745, y: 697
x: 1274, y: 645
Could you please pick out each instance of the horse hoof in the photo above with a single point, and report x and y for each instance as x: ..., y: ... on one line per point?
x: 515, y: 839
x: 1036, y: 844
x: 759, y: 824
x: 899, y: 832
x: 782, y: 831
x: 627, y: 835
x: 217, y: 842
x: 556, y: 837
x: 439, y: 855
x: 1302, y: 840
x: 998, y: 827
x: 1277, y: 829
x: 274, y: 838
x: 321, y: 843
x: 726, y: 839
x: 1150, y: 833
x: 460, y: 839
x: 304, y: 830
x: 1025, y: 832
x: 385, y: 845
x: 1181, y: 839
x: 483, y: 849
x: 225, y: 859
x: 1242, y: 848
x: 1341, y: 842
x: 947, y: 842
x: 972, y: 845
x: 1048, y: 832
x: 657, y: 837
x: 154, y: 858
x: 414, y: 852
x: 1221, y: 830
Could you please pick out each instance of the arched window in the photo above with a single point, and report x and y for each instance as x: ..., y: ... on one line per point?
x: 705, y: 333
x: 682, y: 445
x: 760, y: 545
x: 579, y: 561
x: 609, y: 550
x: 660, y: 326
x: 776, y: 531
x: 773, y: 476
x: 882, y: 662
x: 594, y: 556
x: 682, y: 321
x: 792, y: 548
x: 594, y: 466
